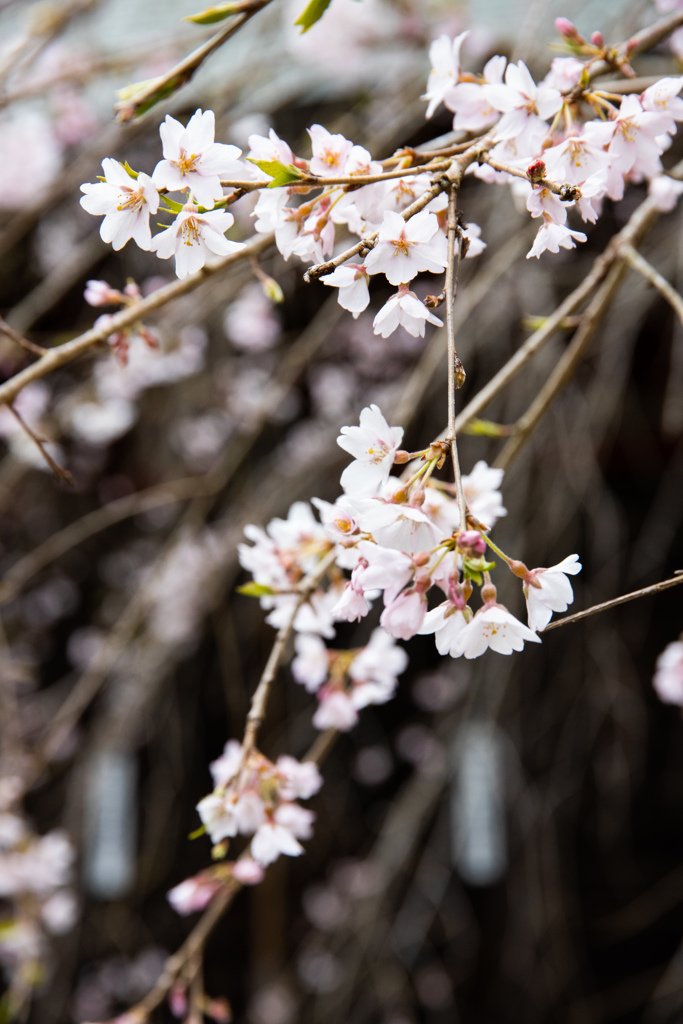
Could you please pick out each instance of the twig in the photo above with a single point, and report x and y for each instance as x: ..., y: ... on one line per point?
x: 563, y: 190
x: 315, y: 181
x: 20, y: 340
x: 59, y: 472
x: 59, y: 356
x: 566, y: 365
x: 453, y: 176
x: 260, y: 699
x: 456, y: 371
x: 640, y: 264
x: 656, y: 588
x: 163, y: 86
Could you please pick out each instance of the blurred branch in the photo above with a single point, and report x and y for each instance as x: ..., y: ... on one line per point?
x: 656, y: 588
x: 639, y: 263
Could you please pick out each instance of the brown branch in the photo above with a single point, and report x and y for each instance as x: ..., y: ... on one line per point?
x: 561, y: 189
x: 641, y: 265
x: 656, y: 588
x: 456, y: 371
x: 165, y: 85
x: 62, y: 474
x: 20, y: 340
x: 59, y: 356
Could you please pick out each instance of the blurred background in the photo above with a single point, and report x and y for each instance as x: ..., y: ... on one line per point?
x: 503, y: 841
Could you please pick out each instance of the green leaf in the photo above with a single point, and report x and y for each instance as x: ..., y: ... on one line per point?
x: 140, y: 97
x: 255, y: 590
x: 474, y: 567
x: 197, y: 832
x: 171, y: 204
x: 214, y: 14
x: 313, y: 12
x: 486, y: 428
x: 282, y: 174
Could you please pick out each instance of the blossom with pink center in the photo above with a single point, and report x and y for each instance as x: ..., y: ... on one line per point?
x: 494, y: 627
x: 544, y: 203
x: 447, y: 621
x: 335, y: 711
x: 352, y: 606
x: 330, y: 152
x: 548, y: 590
x: 403, y: 617
x: 663, y: 98
x: 564, y: 74
x: 352, y: 282
x: 404, y: 309
x: 444, y: 55
x: 633, y: 137
x: 575, y: 159
x: 193, y: 894
x: 192, y: 160
x: 470, y: 101
x: 299, y: 779
x: 400, y: 526
x: 520, y: 93
x: 338, y: 519
x: 553, y: 237
x: 225, y: 767
x: 125, y: 203
x: 270, y: 149
x: 271, y: 840
x: 311, y: 664
x: 194, y: 237
x: 373, y: 445
x: 384, y: 569
x: 405, y: 248
x: 668, y: 677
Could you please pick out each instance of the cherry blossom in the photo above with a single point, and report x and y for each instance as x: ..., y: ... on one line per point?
x: 271, y: 840
x: 494, y: 627
x: 311, y: 664
x: 548, y: 590
x: 404, y: 309
x: 447, y: 621
x: 665, y: 192
x: 330, y: 152
x: 471, y: 102
x: 553, y: 237
x: 404, y: 248
x: 125, y: 202
x: 373, y: 445
x: 335, y: 711
x: 192, y: 160
x: 193, y: 237
x: 668, y: 677
x: 352, y: 282
x: 403, y: 616
x: 444, y: 55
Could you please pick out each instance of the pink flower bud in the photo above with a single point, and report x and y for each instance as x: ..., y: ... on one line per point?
x: 565, y: 27
x: 177, y: 1001
x: 472, y: 542
x: 597, y: 39
x: 248, y: 872
x: 99, y: 293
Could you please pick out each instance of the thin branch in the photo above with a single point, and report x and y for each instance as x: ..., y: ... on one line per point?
x: 656, y: 588
x: 62, y: 474
x: 260, y: 699
x: 59, y: 356
x: 562, y: 189
x: 639, y: 263
x: 452, y: 177
x: 315, y: 181
x: 20, y: 340
x: 165, y: 85
x: 456, y: 371
x: 566, y: 365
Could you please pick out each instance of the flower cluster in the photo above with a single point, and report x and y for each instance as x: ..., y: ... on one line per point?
x: 399, y: 537
x: 253, y: 796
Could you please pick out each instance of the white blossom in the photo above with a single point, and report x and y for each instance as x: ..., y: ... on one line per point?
x: 125, y: 203
x: 549, y: 590
x: 193, y: 237
x: 192, y: 160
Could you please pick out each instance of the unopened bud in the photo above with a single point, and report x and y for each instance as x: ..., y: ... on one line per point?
x: 597, y: 39
x: 489, y: 593
x: 536, y: 171
x: 518, y: 568
x: 271, y: 289
x: 422, y: 558
x: 401, y: 456
x: 400, y: 497
x: 418, y: 497
x: 567, y: 30
x: 472, y: 542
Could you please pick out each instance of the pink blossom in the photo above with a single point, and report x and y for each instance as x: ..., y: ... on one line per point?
x: 248, y: 871
x: 335, y: 711
x: 404, y: 309
x: 224, y: 768
x: 99, y: 293
x: 493, y: 626
x: 663, y: 98
x: 218, y: 816
x: 384, y: 569
x: 193, y: 237
x: 447, y: 622
x: 400, y: 526
x: 299, y: 779
x: 404, y: 248
x: 373, y: 445
x: 380, y: 662
x: 192, y: 160
x: 193, y: 894
x: 668, y: 677
x: 352, y: 606
x: 471, y: 102
x: 330, y: 152
x: 271, y: 840
x: 352, y: 282
x: 126, y: 204
x: 444, y: 55
x: 665, y: 192
x: 548, y: 590
x: 482, y: 493
x: 311, y: 664
x: 404, y: 615
x: 270, y: 149
x: 553, y: 237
